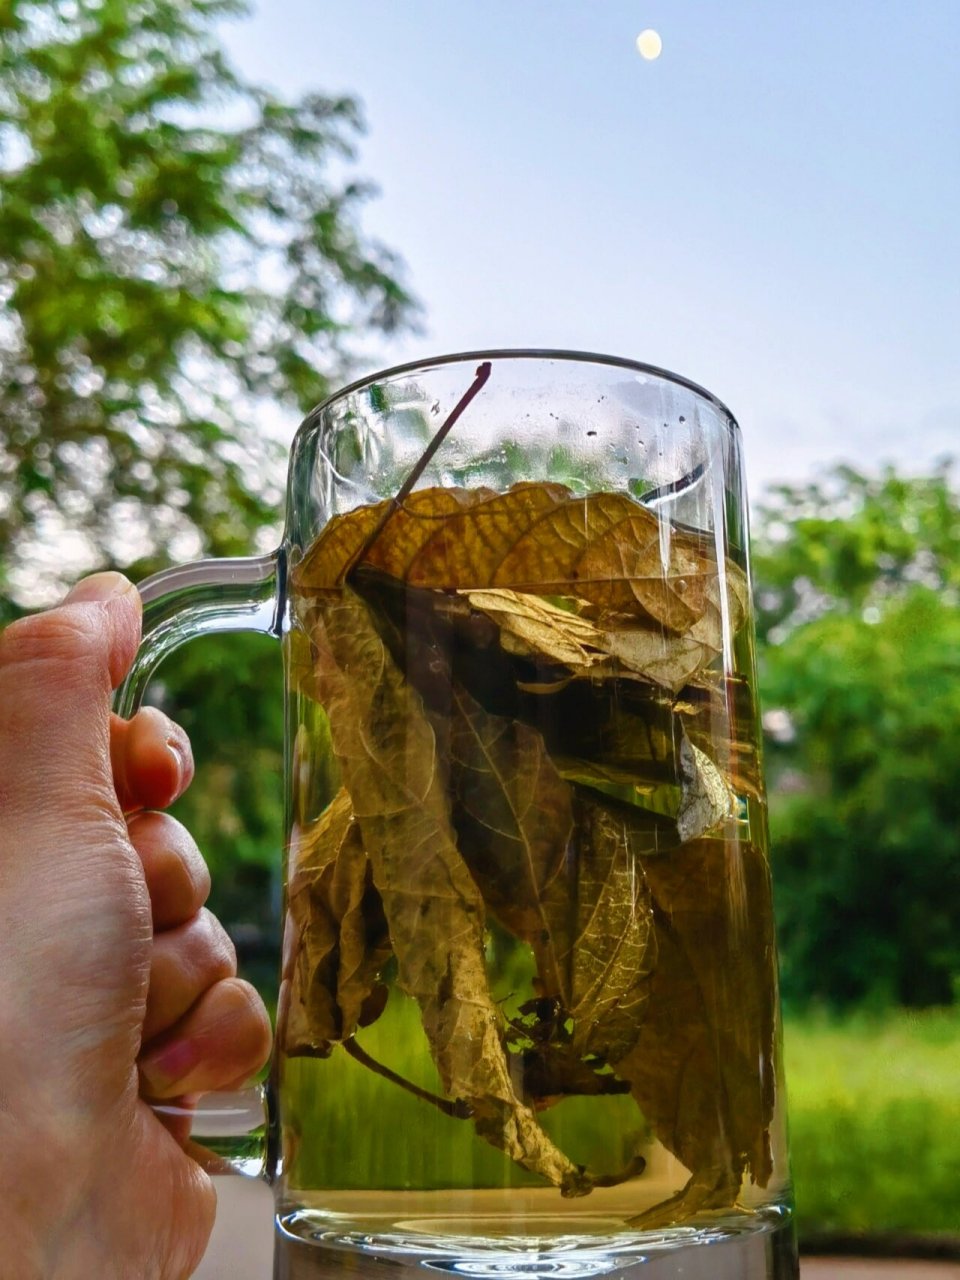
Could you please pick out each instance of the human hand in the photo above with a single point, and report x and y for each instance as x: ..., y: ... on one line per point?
x: 115, y: 984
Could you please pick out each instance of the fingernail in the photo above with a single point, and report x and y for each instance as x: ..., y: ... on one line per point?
x: 162, y: 1068
x: 177, y: 752
x: 99, y: 586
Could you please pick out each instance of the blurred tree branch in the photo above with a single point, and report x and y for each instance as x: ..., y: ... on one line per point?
x: 178, y: 249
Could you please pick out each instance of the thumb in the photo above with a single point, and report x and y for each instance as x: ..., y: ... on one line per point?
x: 57, y: 669
x: 122, y: 617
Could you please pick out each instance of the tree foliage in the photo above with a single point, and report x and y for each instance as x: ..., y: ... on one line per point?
x: 178, y: 248
x: 180, y: 254
x: 858, y: 584
x: 852, y: 541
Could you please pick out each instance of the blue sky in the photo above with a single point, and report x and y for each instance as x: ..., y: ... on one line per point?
x: 771, y: 208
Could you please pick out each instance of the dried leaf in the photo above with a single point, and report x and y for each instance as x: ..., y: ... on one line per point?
x: 610, y: 948
x: 514, y: 819
x: 586, y: 916
x: 668, y: 660
x: 387, y: 754
x: 549, y: 1073
x: 540, y: 539
x: 536, y: 628
x: 421, y: 515
x: 338, y: 934
x: 731, y: 703
x: 546, y: 1061
x: 702, y: 1070
x: 706, y: 800
x: 513, y: 655
x: 640, y: 561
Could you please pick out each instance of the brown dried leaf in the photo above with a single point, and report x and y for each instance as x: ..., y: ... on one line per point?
x: 705, y: 798
x: 587, y: 918
x: 540, y: 539
x: 338, y: 936
x: 412, y: 525
x: 641, y: 561
x: 702, y: 1070
x: 610, y: 948
x: 534, y: 627
x: 514, y: 820
x: 387, y: 754
x: 732, y: 703
x: 551, y: 1072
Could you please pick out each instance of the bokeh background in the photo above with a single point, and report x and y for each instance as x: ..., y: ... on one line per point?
x: 211, y: 216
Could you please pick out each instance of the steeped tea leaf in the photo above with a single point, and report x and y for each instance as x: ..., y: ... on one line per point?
x: 540, y: 539
x: 641, y: 561
x: 338, y: 935
x: 387, y: 754
x: 702, y: 1069
x: 421, y: 515
x: 535, y: 627
x: 529, y: 700
x: 587, y: 918
x: 514, y: 818
x: 705, y: 799
x: 610, y: 948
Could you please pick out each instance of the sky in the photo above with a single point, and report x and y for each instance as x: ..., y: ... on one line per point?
x: 769, y: 208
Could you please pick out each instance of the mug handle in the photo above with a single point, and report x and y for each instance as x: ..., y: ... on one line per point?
x: 207, y: 596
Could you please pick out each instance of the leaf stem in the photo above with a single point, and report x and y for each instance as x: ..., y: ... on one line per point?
x: 479, y: 381
x: 459, y: 1109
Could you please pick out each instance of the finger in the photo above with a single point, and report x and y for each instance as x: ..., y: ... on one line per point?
x: 177, y: 877
x: 185, y: 962
x: 151, y: 758
x: 224, y: 1038
x: 56, y: 672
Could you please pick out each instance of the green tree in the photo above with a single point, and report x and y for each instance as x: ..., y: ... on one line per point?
x: 178, y: 249
x: 858, y: 587
x: 181, y: 259
x: 850, y: 541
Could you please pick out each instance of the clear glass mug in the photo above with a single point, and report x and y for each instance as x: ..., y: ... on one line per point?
x: 528, y: 1017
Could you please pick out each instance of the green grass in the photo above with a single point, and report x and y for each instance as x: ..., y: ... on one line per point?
x: 874, y: 1106
x: 412, y: 1144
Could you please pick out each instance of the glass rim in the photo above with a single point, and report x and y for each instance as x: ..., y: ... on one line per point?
x: 524, y: 353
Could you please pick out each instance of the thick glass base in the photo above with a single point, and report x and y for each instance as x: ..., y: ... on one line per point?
x: 754, y: 1246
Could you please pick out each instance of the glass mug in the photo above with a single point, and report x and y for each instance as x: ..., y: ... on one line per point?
x: 528, y: 1018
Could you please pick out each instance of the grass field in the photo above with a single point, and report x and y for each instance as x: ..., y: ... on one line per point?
x: 874, y: 1106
